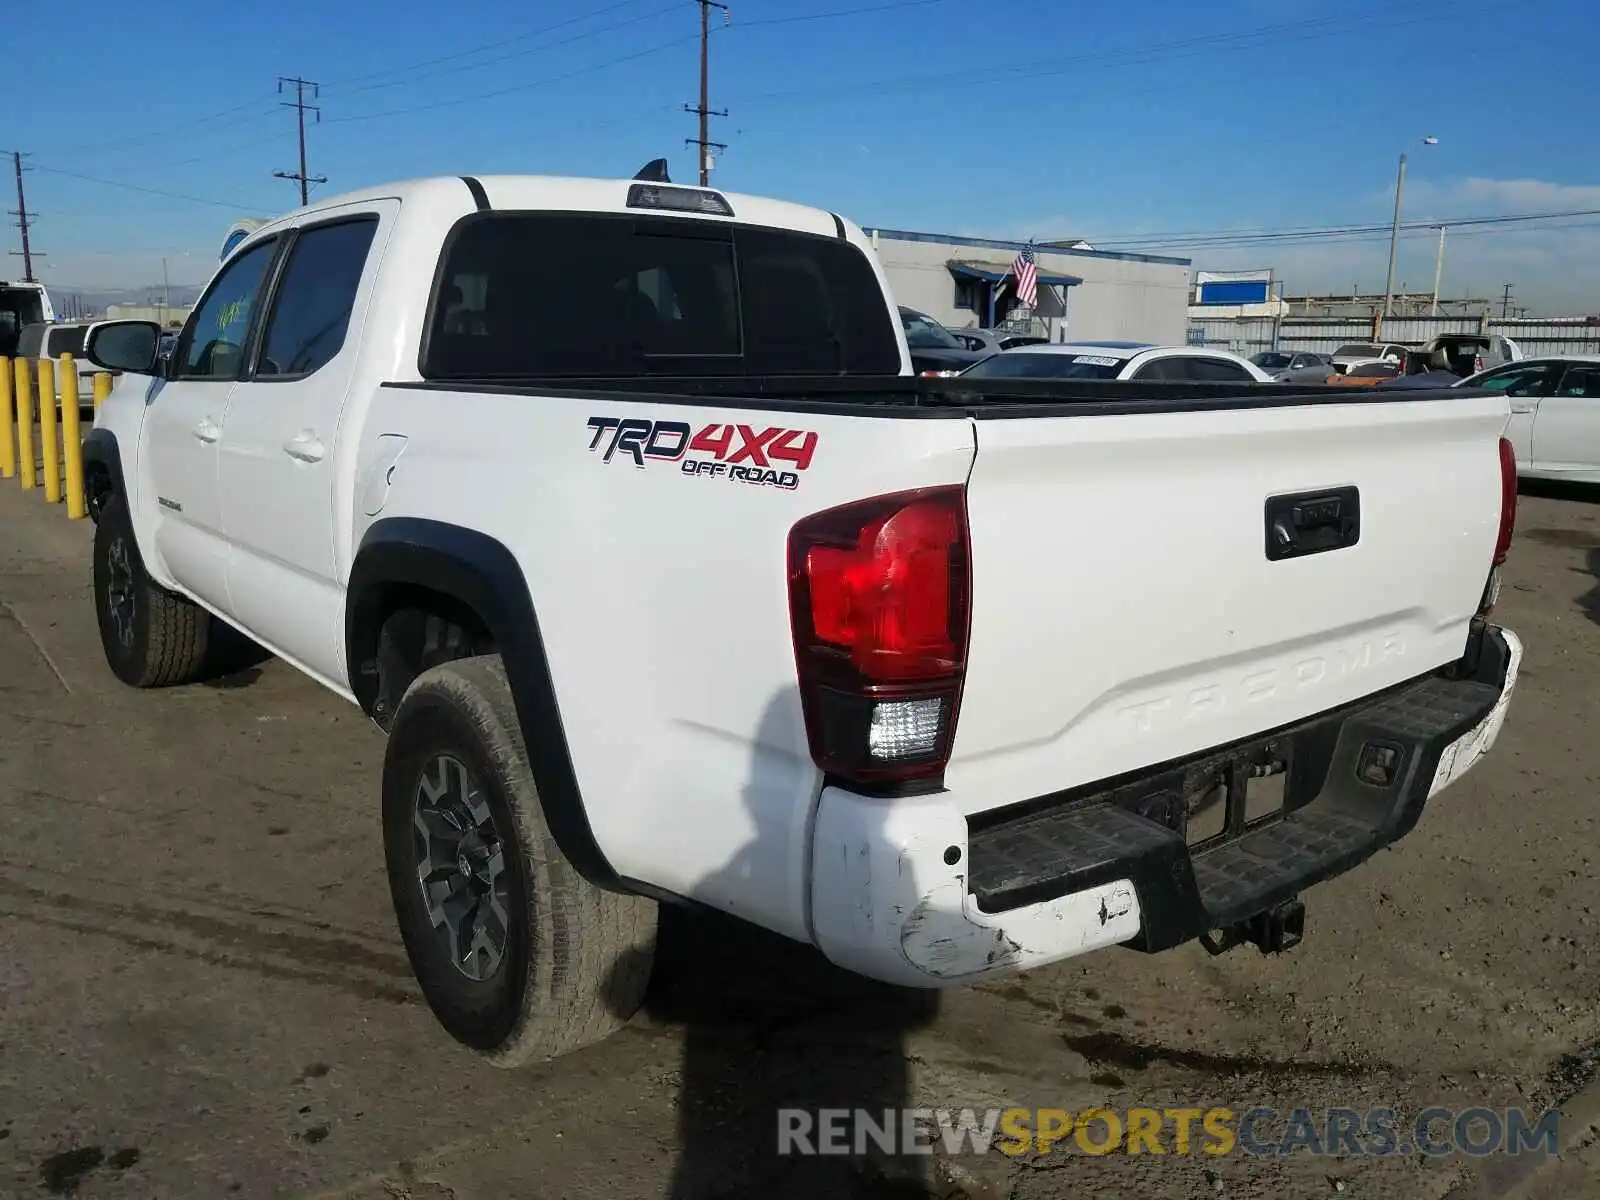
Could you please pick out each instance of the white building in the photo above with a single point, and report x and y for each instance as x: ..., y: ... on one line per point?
x: 1084, y: 293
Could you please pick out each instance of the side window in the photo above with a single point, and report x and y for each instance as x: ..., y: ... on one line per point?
x: 67, y: 341
x: 311, y: 311
x: 213, y: 343
x: 1536, y: 380
x: 31, y: 342
x: 1581, y: 381
x: 1161, y: 370
x: 1216, y: 370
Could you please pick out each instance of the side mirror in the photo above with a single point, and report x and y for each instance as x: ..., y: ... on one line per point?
x: 123, y: 346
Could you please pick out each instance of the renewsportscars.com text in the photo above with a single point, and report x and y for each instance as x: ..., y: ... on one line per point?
x: 1377, y: 1132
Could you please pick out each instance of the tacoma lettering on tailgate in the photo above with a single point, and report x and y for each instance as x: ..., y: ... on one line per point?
x: 1262, y: 683
x: 741, y: 453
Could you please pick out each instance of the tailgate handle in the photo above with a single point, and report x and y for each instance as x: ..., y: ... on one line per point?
x: 1312, y: 522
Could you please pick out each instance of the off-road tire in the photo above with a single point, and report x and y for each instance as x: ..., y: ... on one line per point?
x: 577, y: 958
x: 163, y: 640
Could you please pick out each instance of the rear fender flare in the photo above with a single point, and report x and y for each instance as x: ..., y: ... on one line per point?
x: 478, y: 571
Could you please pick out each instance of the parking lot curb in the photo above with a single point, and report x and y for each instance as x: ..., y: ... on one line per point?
x: 1510, y: 1178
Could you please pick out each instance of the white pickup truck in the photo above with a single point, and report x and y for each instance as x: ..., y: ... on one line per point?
x: 616, y: 504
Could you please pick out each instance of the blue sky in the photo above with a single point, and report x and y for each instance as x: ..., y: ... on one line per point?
x: 1014, y: 118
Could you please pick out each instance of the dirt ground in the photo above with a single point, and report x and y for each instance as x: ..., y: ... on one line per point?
x: 202, y: 993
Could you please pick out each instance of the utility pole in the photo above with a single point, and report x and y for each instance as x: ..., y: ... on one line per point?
x: 1438, y: 270
x: 1505, y: 303
x: 21, y: 214
x: 300, y: 106
x: 1394, y: 237
x: 704, y: 142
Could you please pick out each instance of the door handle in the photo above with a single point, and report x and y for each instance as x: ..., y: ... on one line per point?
x: 208, y: 430
x: 305, y: 446
x: 1522, y: 408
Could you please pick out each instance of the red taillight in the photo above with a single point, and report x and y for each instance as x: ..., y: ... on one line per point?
x: 1508, y: 500
x: 879, y: 604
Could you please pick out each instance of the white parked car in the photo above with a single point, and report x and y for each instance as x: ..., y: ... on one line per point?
x: 1119, y: 361
x: 1555, y: 414
x: 51, y: 341
x: 1347, y: 356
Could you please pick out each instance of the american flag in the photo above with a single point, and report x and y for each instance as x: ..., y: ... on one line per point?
x: 1027, y: 277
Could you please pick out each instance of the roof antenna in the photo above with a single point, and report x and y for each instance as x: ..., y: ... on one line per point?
x: 654, y: 171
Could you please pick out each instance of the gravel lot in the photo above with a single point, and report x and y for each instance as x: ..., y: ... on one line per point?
x: 202, y: 993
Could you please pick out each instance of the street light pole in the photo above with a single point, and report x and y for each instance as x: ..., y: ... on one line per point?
x: 1438, y: 270
x: 1394, y: 233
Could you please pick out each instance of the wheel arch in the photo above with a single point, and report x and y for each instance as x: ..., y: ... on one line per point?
x: 407, y: 557
x: 102, y: 470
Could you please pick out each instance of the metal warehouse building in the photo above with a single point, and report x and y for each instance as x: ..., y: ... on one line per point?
x: 1083, y: 294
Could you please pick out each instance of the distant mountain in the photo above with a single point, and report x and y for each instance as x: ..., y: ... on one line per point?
x: 70, y: 301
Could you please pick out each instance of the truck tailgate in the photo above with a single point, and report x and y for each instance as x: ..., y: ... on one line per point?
x: 1125, y: 608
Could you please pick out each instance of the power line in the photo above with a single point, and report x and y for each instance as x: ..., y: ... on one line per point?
x: 407, y: 71
x: 704, y: 141
x: 488, y: 62
x: 1137, y: 55
x: 134, y: 187
x: 1241, y: 238
x: 300, y: 106
x: 671, y: 45
x: 164, y: 133
x: 840, y: 12
x: 519, y: 87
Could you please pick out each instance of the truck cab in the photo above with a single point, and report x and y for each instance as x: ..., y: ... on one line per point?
x: 21, y: 305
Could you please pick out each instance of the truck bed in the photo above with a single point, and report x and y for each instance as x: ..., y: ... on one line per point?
x: 1125, y: 611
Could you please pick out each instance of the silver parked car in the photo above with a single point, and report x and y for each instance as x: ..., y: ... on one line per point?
x: 995, y: 340
x: 1296, y: 366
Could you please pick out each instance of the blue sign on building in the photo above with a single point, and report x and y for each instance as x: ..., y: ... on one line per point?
x: 1235, y: 291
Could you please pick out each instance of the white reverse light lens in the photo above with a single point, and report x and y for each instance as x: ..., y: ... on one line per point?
x: 905, y: 729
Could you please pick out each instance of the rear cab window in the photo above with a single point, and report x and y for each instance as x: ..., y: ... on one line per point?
x: 554, y: 294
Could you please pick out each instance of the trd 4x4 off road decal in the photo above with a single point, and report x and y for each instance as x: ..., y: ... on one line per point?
x: 742, y: 453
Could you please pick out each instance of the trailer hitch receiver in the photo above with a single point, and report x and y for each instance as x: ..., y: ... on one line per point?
x: 1277, y: 929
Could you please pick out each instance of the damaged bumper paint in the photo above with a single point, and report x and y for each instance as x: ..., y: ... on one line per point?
x: 891, y: 901
x: 893, y: 890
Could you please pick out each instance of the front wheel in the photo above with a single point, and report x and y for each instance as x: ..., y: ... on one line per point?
x: 519, y: 957
x: 151, y: 637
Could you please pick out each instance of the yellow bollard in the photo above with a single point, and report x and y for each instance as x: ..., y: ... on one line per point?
x: 72, y: 440
x: 49, y: 439
x: 25, y: 459
x: 8, y: 423
x: 102, y: 389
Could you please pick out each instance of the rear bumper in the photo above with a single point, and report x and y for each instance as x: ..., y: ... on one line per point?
x: 909, y: 891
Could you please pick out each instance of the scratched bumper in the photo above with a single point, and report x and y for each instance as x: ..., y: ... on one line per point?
x: 906, y: 891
